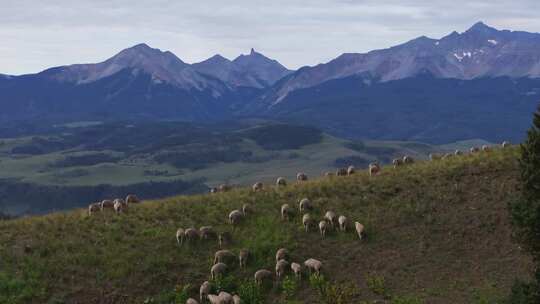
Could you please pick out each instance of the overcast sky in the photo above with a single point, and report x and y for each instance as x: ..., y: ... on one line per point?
x: 36, y: 34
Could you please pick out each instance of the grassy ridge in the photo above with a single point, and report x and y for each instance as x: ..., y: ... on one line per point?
x: 438, y: 231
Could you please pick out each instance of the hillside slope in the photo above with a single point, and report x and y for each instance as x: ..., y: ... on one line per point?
x: 437, y: 231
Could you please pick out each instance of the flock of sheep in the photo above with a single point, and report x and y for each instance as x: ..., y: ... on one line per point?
x: 224, y: 259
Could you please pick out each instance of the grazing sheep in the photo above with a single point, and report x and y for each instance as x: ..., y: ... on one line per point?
x: 458, y: 152
x: 314, y: 266
x: 407, y: 159
x: 243, y: 257
x: 224, y: 188
x: 331, y: 217
x: 107, y: 204
x: 207, y: 232
x: 351, y: 170
x: 301, y: 177
x: 305, y: 205
x: 285, y: 212
x: 474, y: 149
x: 281, y: 182
x: 434, y: 156
x: 180, y: 234
x: 397, y: 162
x: 341, y: 172
x: 191, y: 301
x: 246, y: 208
x: 486, y: 148
x: 323, y: 226
x: 281, y: 268
x: 282, y: 254
x: 132, y: 199
x: 236, y: 299
x: 258, y: 186
x: 93, y: 208
x: 204, y: 291
x: 191, y: 234
x: 262, y: 275
x: 374, y: 169
x: 118, y: 206
x: 235, y: 217
x: 505, y: 144
x: 342, y: 220
x: 213, y: 190
x: 307, y: 221
x: 122, y: 203
x: 297, y: 269
x: 218, y: 270
x: 226, y: 298
x: 224, y: 256
x: 359, y: 230
x: 214, y: 299
x: 224, y: 238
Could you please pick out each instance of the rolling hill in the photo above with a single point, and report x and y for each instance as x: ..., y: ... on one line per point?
x: 436, y: 232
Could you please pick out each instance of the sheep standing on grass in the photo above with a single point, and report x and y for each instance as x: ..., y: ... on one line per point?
x: 262, y: 275
x: 218, y: 270
x: 246, y: 208
x: 236, y: 299
x: 226, y: 298
x: 204, y: 291
x: 258, y: 186
x: 505, y: 144
x: 132, y: 199
x: 342, y: 220
x: 235, y: 217
x: 93, y: 208
x: 341, y: 172
x: 191, y: 301
x: 397, y: 162
x: 351, y: 170
x: 281, y: 268
x: 285, y: 212
x: 474, y: 149
x: 458, y: 152
x: 107, y: 204
x: 359, y: 230
x: 224, y: 256
x: 214, y: 299
x: 314, y: 266
x: 243, y: 257
x: 118, y: 206
x: 191, y: 235
x: 407, y: 160
x: 297, y: 270
x: 301, y: 177
x: 323, y: 226
x: 307, y: 221
x: 281, y: 182
x: 305, y: 205
x: 486, y: 148
x: 331, y: 217
x: 180, y: 235
x: 374, y: 169
x: 213, y: 190
x: 207, y: 232
x: 282, y: 254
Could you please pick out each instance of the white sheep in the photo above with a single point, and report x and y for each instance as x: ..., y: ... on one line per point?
x: 214, y: 299
x: 323, y: 226
x: 282, y: 254
x: 301, y: 177
x: 359, y: 230
x: 235, y: 217
x: 407, y: 159
x: 458, y: 152
x: 397, y: 162
x: 307, y: 221
x: 243, y: 256
x: 107, y: 204
x: 304, y: 205
x: 246, y: 208
x: 204, y: 291
x: 218, y: 270
x: 486, y: 148
x: 191, y: 234
x: 285, y: 212
x: 207, y: 232
x: 281, y: 182
x: 93, y: 208
x: 297, y: 269
x: 118, y: 206
x: 474, y: 149
x: 132, y: 199
x: 191, y: 301
x: 224, y: 256
x: 213, y: 190
x: 262, y: 275
x: 331, y: 217
x: 281, y: 268
x: 258, y: 186
x: 236, y: 299
x: 180, y: 234
x: 374, y: 169
x: 226, y: 298
x: 350, y: 170
x: 342, y: 220
x: 505, y: 144
x: 314, y: 266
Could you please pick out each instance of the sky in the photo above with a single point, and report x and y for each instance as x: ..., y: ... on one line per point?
x: 37, y: 34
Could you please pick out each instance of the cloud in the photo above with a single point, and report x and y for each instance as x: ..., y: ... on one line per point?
x: 40, y: 34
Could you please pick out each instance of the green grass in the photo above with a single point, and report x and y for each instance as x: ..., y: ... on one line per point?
x: 437, y: 232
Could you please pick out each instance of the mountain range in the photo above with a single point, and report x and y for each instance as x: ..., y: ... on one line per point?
x: 482, y: 83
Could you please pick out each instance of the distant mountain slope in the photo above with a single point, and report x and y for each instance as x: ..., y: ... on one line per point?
x: 481, y: 51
